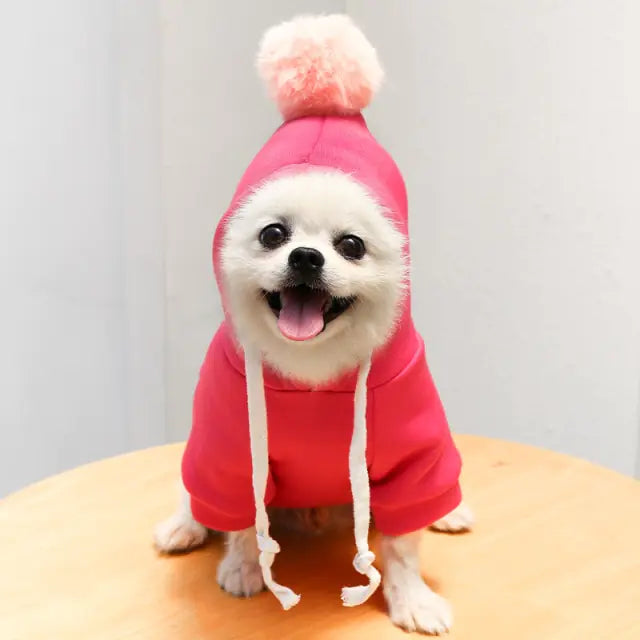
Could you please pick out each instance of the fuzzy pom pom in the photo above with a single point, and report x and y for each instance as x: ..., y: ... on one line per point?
x: 319, y: 65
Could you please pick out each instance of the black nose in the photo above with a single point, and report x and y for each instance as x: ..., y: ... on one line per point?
x: 306, y: 261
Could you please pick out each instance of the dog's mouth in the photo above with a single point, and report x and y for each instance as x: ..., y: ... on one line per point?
x: 304, y: 312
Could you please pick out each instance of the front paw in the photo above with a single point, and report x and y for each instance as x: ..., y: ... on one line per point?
x: 179, y: 533
x: 414, y: 607
x: 459, y: 520
x: 239, y: 576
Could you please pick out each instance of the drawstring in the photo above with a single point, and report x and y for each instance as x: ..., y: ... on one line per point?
x: 260, y: 461
x: 359, y: 477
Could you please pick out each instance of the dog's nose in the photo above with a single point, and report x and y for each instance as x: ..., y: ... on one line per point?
x: 306, y: 261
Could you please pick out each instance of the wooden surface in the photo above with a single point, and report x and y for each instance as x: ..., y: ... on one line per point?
x: 555, y: 555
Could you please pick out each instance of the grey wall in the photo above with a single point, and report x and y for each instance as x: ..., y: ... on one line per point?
x: 516, y: 125
x: 81, y: 278
x: 126, y: 126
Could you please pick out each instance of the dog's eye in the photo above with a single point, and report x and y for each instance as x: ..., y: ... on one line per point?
x: 273, y: 236
x: 350, y: 247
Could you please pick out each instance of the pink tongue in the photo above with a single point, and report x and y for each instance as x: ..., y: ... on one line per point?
x: 301, y: 315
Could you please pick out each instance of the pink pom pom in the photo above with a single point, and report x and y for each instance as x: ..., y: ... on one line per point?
x: 319, y: 65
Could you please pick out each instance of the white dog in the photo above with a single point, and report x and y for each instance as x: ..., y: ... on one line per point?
x: 311, y: 260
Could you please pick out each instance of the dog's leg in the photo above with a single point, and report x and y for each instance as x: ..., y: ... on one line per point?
x: 239, y: 572
x: 460, y: 519
x: 412, y: 604
x: 180, y: 532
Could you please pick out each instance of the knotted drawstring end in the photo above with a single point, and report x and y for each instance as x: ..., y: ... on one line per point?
x: 268, y: 548
x: 354, y: 596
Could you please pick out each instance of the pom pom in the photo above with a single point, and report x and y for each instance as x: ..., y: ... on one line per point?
x: 319, y: 65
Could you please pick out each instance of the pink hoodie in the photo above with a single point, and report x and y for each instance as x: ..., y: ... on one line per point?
x: 412, y: 461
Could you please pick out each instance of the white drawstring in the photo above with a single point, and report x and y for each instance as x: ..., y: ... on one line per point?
x: 260, y: 465
x: 359, y: 476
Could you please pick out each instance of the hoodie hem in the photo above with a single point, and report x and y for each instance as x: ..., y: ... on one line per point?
x: 396, y: 522
x: 216, y: 520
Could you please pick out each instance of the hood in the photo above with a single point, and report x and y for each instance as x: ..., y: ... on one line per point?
x: 342, y: 143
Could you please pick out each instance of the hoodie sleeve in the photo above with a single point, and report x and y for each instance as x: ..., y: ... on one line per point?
x: 216, y: 466
x: 414, y: 464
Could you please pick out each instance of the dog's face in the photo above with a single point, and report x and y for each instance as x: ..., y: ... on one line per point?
x: 314, y: 274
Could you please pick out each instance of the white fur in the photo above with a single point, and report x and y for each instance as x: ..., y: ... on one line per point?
x: 180, y: 532
x: 460, y: 519
x: 320, y: 205
x: 239, y: 572
x: 412, y: 604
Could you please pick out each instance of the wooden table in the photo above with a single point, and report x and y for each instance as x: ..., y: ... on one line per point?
x: 555, y: 555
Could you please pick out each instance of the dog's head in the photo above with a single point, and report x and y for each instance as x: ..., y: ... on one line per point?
x: 314, y: 273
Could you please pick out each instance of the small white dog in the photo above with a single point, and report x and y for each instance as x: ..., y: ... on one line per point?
x: 311, y: 261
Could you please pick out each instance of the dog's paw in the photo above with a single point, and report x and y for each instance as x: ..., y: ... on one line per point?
x: 239, y: 576
x: 417, y: 608
x: 179, y: 533
x: 459, y: 520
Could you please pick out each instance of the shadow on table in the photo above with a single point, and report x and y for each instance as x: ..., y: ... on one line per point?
x: 317, y: 567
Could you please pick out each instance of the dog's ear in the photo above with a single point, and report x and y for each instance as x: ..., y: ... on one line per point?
x: 319, y: 65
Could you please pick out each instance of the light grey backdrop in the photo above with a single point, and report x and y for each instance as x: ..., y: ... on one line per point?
x: 126, y: 126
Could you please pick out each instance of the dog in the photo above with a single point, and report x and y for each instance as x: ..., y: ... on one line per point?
x: 311, y: 260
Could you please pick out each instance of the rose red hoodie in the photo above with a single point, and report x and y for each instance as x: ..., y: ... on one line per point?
x: 412, y: 463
